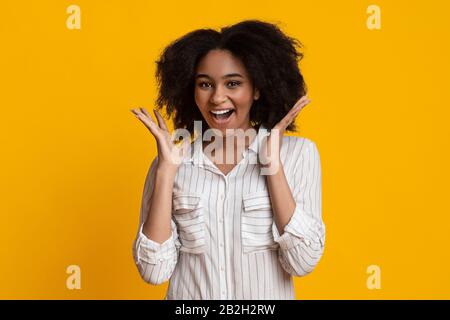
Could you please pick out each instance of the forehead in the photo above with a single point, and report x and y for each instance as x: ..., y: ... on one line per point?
x: 217, y: 63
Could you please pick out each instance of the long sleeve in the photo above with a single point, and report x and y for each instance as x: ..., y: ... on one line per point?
x: 302, y: 242
x: 154, y: 261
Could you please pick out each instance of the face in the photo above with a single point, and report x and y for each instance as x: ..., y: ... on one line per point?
x: 223, y: 91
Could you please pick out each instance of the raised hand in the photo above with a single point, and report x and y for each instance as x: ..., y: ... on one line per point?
x: 170, y: 155
x: 269, y: 153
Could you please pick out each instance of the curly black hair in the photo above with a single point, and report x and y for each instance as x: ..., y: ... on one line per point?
x: 269, y: 56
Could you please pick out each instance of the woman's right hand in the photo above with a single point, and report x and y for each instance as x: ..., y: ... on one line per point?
x: 170, y: 155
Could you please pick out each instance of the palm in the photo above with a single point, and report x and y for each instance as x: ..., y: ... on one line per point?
x: 168, y: 149
x: 169, y: 153
x: 269, y: 153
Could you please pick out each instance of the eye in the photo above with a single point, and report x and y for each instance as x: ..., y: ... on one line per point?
x: 235, y: 83
x: 202, y: 84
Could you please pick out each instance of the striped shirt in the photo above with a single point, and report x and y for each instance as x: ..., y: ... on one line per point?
x: 224, y: 243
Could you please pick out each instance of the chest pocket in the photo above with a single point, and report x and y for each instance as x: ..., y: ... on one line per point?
x: 257, y: 220
x: 190, y: 220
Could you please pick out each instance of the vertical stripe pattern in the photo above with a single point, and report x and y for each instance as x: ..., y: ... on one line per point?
x: 224, y: 243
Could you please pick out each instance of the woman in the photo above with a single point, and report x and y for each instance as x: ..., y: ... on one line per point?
x: 227, y: 230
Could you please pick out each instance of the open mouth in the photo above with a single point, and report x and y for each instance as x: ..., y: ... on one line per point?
x: 222, y: 114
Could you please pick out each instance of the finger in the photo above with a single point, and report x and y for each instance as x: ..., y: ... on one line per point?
x: 161, y: 122
x: 294, y: 111
x: 300, y: 101
x: 139, y: 113
x: 134, y: 112
x: 148, y: 122
x: 305, y: 102
x: 286, y: 121
x: 299, y: 106
x: 290, y: 116
x: 144, y: 111
x: 147, y: 114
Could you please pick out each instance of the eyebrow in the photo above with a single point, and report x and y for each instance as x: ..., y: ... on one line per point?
x: 202, y: 75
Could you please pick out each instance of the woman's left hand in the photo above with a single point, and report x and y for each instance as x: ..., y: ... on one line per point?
x: 269, y: 153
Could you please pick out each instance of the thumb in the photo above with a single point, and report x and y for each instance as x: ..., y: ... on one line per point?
x: 185, y: 147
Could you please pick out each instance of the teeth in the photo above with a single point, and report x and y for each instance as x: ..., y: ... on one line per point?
x: 221, y: 111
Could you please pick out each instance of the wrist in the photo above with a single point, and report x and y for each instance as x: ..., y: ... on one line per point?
x: 271, y: 169
x: 269, y: 162
x: 167, y: 168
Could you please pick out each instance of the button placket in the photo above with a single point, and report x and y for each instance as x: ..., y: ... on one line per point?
x: 221, y: 237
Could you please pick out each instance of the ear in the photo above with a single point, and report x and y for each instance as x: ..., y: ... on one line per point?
x: 256, y: 94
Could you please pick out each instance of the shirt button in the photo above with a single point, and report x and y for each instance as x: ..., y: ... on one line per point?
x: 161, y: 260
x: 308, y: 243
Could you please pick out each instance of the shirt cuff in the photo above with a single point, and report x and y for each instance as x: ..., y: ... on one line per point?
x: 301, y: 228
x: 153, y: 252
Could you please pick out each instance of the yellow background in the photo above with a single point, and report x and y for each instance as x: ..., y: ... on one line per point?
x: 74, y: 158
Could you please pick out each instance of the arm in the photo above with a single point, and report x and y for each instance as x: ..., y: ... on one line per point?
x: 155, y: 249
x: 297, y: 213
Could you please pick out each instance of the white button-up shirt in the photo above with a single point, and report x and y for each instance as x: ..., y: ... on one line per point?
x: 224, y: 242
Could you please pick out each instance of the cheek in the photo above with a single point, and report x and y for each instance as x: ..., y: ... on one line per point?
x: 200, y: 98
x: 244, y: 98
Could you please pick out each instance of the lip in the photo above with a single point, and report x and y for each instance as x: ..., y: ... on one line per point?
x: 222, y: 109
x: 221, y: 122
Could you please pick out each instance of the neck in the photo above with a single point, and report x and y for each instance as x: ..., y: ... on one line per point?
x: 231, y: 139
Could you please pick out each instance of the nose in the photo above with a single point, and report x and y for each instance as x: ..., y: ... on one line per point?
x: 218, y: 97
